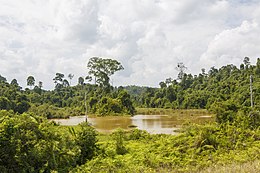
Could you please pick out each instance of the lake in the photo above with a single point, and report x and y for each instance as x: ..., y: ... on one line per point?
x: 154, y: 124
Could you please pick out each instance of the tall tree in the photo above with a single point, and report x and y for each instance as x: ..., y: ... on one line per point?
x: 30, y: 81
x: 181, y: 68
x: 65, y: 83
x: 246, y: 62
x: 102, y: 69
x: 58, y: 80
x: 40, y: 84
x: 70, y: 76
x: 80, y: 81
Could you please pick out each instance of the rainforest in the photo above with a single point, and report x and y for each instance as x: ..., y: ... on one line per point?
x: 30, y: 141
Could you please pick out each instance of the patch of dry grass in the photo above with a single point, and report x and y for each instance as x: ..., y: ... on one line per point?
x: 248, y: 167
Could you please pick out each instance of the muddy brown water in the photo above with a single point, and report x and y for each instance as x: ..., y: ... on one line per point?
x: 154, y: 124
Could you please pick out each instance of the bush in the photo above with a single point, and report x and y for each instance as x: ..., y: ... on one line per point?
x: 119, y: 137
x: 225, y: 111
x: 86, y: 140
x: 31, y: 144
x: 137, y: 134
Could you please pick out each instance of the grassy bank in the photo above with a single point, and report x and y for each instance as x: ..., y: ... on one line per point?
x: 162, y: 111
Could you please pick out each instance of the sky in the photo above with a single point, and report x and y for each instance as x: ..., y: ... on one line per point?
x: 149, y: 37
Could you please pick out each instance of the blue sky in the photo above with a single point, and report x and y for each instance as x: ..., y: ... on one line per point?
x: 149, y: 37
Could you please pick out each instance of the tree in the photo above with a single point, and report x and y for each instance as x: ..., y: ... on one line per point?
x: 31, y: 144
x: 58, y: 79
x: 40, y: 84
x: 168, y: 81
x: 14, y: 82
x: 22, y: 106
x: 101, y: 69
x: 80, y: 81
x: 5, y: 103
x: 246, y: 62
x: 181, y: 68
x: 70, y: 76
x: 125, y: 100
x: 38, y: 89
x: 203, y: 71
x: 2, y: 79
x: 257, y: 70
x: 88, y: 78
x: 65, y: 83
x: 30, y: 81
x: 213, y: 71
x: 162, y: 84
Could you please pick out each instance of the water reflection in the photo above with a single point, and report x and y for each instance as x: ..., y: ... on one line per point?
x: 154, y: 124
x: 110, y: 123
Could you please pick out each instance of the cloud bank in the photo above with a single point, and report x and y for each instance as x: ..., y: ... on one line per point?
x: 149, y: 37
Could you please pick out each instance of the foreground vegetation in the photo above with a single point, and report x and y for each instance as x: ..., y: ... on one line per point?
x: 29, y: 143
x: 197, y: 148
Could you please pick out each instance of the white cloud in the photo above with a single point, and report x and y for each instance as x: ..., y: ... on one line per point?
x: 149, y: 37
x: 230, y: 46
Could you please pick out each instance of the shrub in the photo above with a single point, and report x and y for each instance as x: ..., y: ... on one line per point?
x: 119, y: 136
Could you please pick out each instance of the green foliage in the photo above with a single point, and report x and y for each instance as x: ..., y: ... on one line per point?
x: 12, y: 98
x: 60, y: 82
x: 102, y: 68
x: 254, y: 119
x: 137, y: 134
x: 194, y: 149
x: 30, y: 81
x: 86, y: 140
x: 224, y: 91
x: 30, y: 144
x: 65, y: 101
x: 119, y: 136
x: 50, y: 111
x: 14, y: 82
x: 225, y: 111
x: 5, y: 103
x: 2, y: 79
x: 80, y: 81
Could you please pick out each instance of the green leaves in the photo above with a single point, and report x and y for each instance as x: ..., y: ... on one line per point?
x: 30, y: 81
x: 86, y: 140
x: 32, y: 144
x: 101, y: 69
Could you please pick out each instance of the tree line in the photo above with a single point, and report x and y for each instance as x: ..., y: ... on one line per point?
x: 224, y: 88
x: 66, y: 100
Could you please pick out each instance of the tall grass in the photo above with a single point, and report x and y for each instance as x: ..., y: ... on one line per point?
x: 247, y: 167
